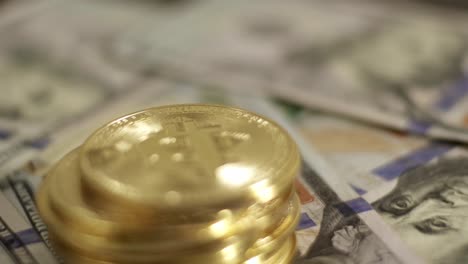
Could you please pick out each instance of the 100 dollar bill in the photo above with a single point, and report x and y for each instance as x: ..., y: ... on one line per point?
x: 417, y: 186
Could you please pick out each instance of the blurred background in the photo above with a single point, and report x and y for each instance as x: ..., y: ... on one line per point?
x: 365, y: 82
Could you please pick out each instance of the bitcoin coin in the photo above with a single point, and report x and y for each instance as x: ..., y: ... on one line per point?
x: 286, y: 254
x: 114, y: 245
x: 176, y: 184
x: 185, y: 156
x: 231, y: 253
x: 90, y: 244
x: 66, y: 197
x: 277, y: 255
x: 281, y: 232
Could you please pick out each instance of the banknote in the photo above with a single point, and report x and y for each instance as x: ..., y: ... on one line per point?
x: 352, y: 147
x: 84, y: 40
x: 331, y: 231
x: 20, y: 241
x: 35, y: 93
x: 415, y: 185
x: 36, y: 100
x: 427, y: 206
x: 73, y: 43
x: 405, y: 74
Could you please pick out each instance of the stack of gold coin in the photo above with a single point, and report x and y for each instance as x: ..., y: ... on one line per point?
x: 176, y: 184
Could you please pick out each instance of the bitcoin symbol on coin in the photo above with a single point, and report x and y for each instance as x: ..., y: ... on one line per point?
x: 205, y: 144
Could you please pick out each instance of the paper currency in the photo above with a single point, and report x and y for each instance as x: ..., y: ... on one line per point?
x: 404, y: 74
x: 352, y: 147
x: 333, y: 226
x: 428, y: 205
x: 39, y: 98
x: 35, y: 93
x: 21, y: 242
x: 417, y: 186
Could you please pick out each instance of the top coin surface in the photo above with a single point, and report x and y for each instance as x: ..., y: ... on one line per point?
x: 189, y: 155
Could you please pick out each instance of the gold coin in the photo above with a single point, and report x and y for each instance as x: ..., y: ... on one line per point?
x: 70, y: 257
x: 107, y: 250
x: 229, y: 253
x: 104, y: 249
x: 286, y: 254
x: 267, y: 216
x: 282, y: 231
x: 118, y: 244
x: 189, y: 156
x: 283, y: 255
x: 276, y: 255
x: 65, y: 197
x: 68, y: 197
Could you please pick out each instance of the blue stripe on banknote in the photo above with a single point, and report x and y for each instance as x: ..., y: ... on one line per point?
x: 452, y: 95
x: 305, y: 222
x: 447, y: 100
x: 25, y: 196
x: 14, y: 245
x: 5, y: 134
x: 354, y: 206
x: 419, y: 127
x: 29, y: 236
x: 38, y: 143
x: 358, y: 190
x: 397, y: 167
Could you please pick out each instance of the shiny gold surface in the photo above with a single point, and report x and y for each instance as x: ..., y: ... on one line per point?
x: 177, y: 184
x: 106, y: 249
x: 283, y: 253
x: 66, y: 197
x: 189, y: 155
x: 281, y: 232
x: 286, y: 254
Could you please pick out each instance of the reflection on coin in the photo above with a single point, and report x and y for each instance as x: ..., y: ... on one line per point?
x: 104, y: 248
x: 286, y: 254
x: 229, y: 251
x: 65, y: 193
x: 68, y: 197
x: 283, y: 253
x: 189, y: 155
x: 281, y: 232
